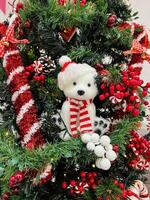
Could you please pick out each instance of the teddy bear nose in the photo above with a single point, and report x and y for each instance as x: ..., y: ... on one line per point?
x: 80, y: 92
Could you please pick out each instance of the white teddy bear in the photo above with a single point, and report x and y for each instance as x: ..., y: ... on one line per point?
x: 78, y: 112
x: 77, y: 81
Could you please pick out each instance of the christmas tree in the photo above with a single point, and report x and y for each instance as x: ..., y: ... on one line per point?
x: 72, y: 102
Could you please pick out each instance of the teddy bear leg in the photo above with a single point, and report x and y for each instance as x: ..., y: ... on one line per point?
x: 65, y: 110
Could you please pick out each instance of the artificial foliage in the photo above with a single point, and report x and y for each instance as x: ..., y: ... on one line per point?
x: 101, y: 34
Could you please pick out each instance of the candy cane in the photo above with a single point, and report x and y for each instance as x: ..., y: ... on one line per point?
x: 140, y: 191
x: 27, y: 118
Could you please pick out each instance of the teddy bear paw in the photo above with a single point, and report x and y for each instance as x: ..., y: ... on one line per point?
x: 101, y: 125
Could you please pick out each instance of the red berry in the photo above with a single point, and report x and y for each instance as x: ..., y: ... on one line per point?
x: 93, y: 186
x: 102, y: 97
x: 102, y: 86
x: 91, y: 180
x: 19, y: 176
x: 27, y: 24
x: 90, y: 175
x: 27, y: 74
x: 124, y: 194
x: 121, y: 185
x: 119, y: 95
x: 135, y: 112
x: 83, y: 3
x: 82, y: 174
x: 146, y: 103
x: 42, y: 77
x: 37, y: 78
x: 116, y: 182
x: 116, y: 148
x: 19, y: 6
x: 72, y: 191
x: 133, y: 82
x: 64, y: 185
x: 130, y: 68
x: 107, y: 94
x: 119, y: 87
x: 137, y: 105
x: 94, y: 174
x: 125, y: 79
x: 124, y: 73
x: 126, y: 94
x: 132, y: 74
x: 6, y: 196
x: 30, y: 68
x: 132, y: 98
x: 144, y: 93
x: 148, y: 85
x: 73, y: 183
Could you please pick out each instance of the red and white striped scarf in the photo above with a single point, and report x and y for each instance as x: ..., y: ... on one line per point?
x: 78, y: 110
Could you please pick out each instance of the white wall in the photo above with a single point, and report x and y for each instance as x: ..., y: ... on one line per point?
x: 5, y: 13
x: 143, y: 7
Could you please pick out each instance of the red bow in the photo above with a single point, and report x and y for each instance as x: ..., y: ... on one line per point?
x: 9, y: 38
x: 136, y: 48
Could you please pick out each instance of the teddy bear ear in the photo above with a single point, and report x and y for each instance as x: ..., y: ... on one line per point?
x: 63, y: 60
x: 60, y: 81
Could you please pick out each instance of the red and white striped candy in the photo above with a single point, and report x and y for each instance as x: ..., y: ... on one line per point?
x: 140, y: 191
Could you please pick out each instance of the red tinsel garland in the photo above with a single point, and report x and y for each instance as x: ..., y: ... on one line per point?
x: 27, y: 118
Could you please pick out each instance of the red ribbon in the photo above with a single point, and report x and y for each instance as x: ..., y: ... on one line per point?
x: 136, y: 48
x: 8, y: 39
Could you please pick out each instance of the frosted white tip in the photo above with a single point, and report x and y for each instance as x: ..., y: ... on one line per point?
x: 63, y: 60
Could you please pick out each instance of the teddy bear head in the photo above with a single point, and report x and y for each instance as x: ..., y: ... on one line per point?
x: 77, y: 80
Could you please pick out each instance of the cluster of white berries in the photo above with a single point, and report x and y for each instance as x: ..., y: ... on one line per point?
x: 101, y: 147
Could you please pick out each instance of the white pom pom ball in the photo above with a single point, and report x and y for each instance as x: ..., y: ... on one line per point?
x: 110, y: 147
x: 103, y: 163
x: 105, y: 140
x: 111, y: 155
x: 86, y: 137
x: 95, y: 137
x: 99, y: 151
x: 63, y: 60
x: 90, y: 146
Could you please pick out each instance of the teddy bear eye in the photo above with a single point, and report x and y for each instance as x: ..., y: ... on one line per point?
x: 74, y: 83
x: 89, y: 84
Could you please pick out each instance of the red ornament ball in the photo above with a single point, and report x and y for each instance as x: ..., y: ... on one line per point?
x: 111, y: 20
